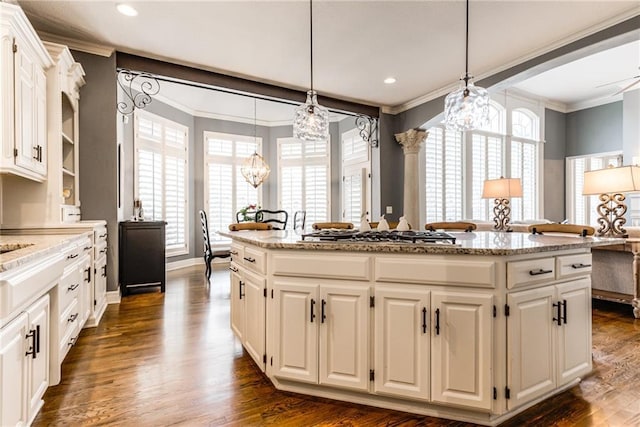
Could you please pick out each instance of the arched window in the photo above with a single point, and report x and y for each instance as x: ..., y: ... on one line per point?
x: 524, y: 124
x: 496, y: 123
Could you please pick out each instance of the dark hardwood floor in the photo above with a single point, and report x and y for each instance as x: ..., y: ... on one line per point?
x: 171, y: 359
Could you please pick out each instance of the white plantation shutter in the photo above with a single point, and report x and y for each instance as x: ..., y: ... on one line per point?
x: 443, y: 175
x: 303, y: 178
x: 356, y: 165
x: 226, y: 190
x: 524, y: 165
x: 487, y: 164
x: 161, y: 175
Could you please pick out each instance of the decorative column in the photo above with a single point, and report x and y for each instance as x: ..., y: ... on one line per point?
x: 411, y: 141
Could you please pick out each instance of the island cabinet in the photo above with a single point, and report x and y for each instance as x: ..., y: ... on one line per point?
x: 476, y: 332
x: 321, y: 318
x: 248, y: 300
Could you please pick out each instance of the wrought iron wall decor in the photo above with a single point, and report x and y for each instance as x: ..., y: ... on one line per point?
x: 130, y: 82
x: 368, y: 127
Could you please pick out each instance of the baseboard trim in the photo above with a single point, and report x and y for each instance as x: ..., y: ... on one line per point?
x: 176, y: 265
x: 113, y: 297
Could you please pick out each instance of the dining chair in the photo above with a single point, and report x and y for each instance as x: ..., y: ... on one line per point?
x: 450, y: 225
x: 581, y: 230
x: 209, y: 254
x: 278, y: 218
x: 299, y: 219
x: 325, y: 225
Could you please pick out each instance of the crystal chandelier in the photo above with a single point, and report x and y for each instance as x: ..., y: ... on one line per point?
x: 466, y: 108
x: 254, y: 169
x: 311, y: 121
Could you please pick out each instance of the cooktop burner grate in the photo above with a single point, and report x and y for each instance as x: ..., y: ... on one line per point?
x: 379, y: 236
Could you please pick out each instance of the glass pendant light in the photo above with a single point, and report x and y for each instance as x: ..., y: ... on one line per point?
x: 466, y: 108
x: 254, y: 169
x: 311, y: 121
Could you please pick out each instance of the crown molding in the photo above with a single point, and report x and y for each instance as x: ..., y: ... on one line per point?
x: 82, y: 46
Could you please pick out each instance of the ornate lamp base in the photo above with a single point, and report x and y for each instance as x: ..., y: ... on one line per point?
x: 611, y: 210
x: 502, y: 215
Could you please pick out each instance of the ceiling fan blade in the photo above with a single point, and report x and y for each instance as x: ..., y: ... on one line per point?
x: 617, y: 81
x: 627, y: 87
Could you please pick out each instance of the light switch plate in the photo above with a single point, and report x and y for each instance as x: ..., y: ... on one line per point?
x: 389, y: 209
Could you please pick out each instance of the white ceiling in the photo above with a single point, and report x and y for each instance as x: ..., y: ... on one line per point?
x: 356, y: 43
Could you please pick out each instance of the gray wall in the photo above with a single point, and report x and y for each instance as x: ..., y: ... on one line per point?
x: 631, y: 126
x: 391, y: 168
x: 98, y: 151
x: 554, y: 165
x: 594, y: 130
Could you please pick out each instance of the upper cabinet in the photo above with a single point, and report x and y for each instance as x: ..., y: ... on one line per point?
x: 23, y: 96
x: 64, y: 80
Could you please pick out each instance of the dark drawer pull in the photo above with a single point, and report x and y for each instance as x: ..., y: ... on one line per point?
x: 313, y: 314
x: 73, y: 287
x: 249, y: 259
x: 103, y: 251
x: 88, y: 272
x: 234, y: 269
x: 73, y: 317
x: 233, y: 252
x: 323, y: 316
x: 86, y: 248
x: 437, y: 327
x: 72, y: 256
x: 580, y: 265
x: 424, y: 320
x: 539, y: 272
x: 102, y: 236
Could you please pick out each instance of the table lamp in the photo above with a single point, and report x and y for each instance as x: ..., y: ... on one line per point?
x: 502, y: 190
x: 609, y: 184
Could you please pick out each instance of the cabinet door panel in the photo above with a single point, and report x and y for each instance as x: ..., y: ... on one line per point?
x: 462, y: 349
x: 530, y: 345
x: 254, y: 317
x: 237, y: 304
x: 25, y: 108
x: 295, y: 353
x: 344, y: 336
x: 402, y: 341
x: 13, y: 372
x: 574, y: 337
x: 39, y: 367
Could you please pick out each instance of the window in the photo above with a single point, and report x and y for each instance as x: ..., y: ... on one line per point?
x: 303, y: 178
x: 356, y: 177
x: 457, y: 164
x: 226, y: 190
x: 582, y: 209
x: 443, y: 175
x: 161, y: 175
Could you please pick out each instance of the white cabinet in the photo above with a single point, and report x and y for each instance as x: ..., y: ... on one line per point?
x: 548, y: 338
x: 448, y: 334
x: 402, y: 341
x: 461, y: 348
x: 98, y: 285
x: 64, y: 80
x: 321, y: 333
x: 23, y: 61
x: 24, y: 364
x: 248, y: 306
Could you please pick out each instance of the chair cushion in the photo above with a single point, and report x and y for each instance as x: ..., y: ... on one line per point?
x: 249, y: 226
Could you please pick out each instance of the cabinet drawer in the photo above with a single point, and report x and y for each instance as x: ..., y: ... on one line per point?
x: 69, y: 320
x: 100, y: 249
x: 69, y: 287
x: 573, y: 265
x: 99, y: 234
x: 522, y: 273
x: 237, y: 252
x: 69, y: 338
x: 348, y: 266
x: 255, y: 259
x: 422, y: 270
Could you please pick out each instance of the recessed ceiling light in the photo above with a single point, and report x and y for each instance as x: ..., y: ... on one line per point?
x: 127, y: 9
x: 390, y: 80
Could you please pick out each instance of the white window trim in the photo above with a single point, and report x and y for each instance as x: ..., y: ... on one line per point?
x: 218, y: 241
x: 303, y: 162
x: 138, y: 143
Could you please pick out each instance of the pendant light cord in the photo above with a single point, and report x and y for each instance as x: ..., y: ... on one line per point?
x: 311, y: 38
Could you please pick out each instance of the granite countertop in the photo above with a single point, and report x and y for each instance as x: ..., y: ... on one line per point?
x: 475, y: 243
x: 32, y: 247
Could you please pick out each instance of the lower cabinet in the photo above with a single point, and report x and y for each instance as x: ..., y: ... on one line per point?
x: 548, y: 338
x: 448, y: 334
x: 321, y: 333
x: 24, y: 364
x: 248, y: 301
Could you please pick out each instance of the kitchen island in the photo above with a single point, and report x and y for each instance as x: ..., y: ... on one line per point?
x: 477, y: 330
